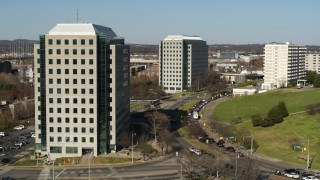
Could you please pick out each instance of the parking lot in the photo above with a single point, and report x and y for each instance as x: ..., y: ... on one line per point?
x: 13, y: 136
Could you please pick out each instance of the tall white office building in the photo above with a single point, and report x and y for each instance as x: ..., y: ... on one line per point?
x: 82, y: 90
x: 313, y: 62
x: 283, y: 64
x: 183, y: 63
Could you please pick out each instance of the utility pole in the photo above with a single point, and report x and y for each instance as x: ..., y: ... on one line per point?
x: 308, y: 156
x: 251, y: 150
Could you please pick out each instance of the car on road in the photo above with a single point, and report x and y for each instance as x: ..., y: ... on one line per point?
x: 2, y: 134
x: 19, y: 127
x: 292, y: 175
x: 15, y: 147
x: 197, y: 152
x: 33, y: 135
x: 192, y: 149
x: 5, y: 161
x: 317, y: 174
x: 310, y: 178
x: 230, y: 149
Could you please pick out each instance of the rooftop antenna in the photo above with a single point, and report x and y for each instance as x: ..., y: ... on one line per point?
x: 77, y: 16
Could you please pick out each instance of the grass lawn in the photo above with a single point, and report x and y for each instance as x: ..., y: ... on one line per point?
x: 136, y: 104
x: 111, y: 160
x: 273, y: 141
x: 26, y: 162
x: 245, y: 106
x: 66, y: 160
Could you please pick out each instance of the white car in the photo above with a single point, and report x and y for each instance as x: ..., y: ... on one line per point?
x: 292, y: 175
x: 33, y: 135
x: 197, y: 152
x: 17, y: 128
x: 192, y: 149
x: 310, y: 178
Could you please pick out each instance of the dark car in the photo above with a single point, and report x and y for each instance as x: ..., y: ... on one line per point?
x: 230, y: 149
x: 15, y: 147
x: 5, y: 161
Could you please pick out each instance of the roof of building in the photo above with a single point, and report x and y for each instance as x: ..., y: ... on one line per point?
x: 182, y: 37
x: 81, y: 29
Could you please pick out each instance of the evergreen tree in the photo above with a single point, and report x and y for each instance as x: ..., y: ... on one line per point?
x: 316, y: 82
x: 267, y: 122
x: 283, y: 109
x: 275, y: 115
x: 310, y: 76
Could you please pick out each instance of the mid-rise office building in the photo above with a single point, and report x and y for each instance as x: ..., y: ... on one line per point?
x: 283, y: 64
x: 183, y: 63
x: 313, y: 62
x: 82, y: 90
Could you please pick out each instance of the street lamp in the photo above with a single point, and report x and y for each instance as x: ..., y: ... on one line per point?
x: 132, y: 146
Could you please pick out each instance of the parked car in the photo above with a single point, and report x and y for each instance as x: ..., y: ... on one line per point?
x: 230, y: 149
x: 311, y: 178
x: 197, y: 152
x: 2, y: 134
x: 192, y: 149
x: 5, y: 161
x: 317, y: 174
x: 15, y: 147
x: 292, y: 175
x: 33, y: 135
x: 18, y: 144
x: 19, y: 127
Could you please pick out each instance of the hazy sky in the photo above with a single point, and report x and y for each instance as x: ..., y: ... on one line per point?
x: 150, y: 21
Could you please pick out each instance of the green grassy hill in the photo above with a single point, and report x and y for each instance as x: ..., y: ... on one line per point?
x: 273, y: 141
x: 246, y: 106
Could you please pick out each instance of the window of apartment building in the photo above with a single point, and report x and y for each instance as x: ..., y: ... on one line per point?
x: 51, y: 129
x: 74, y: 61
x: 50, y: 41
x: 83, y: 41
x: 58, y: 61
x: 67, y: 90
x: 59, y: 110
x: 58, y: 81
x: 50, y: 81
x: 50, y: 61
x: 91, y: 130
x: 75, y: 110
x: 83, y: 101
x: 75, y: 81
x: 66, y: 61
x: 66, y: 81
x: 59, y: 100
x: 50, y: 90
x: 66, y: 42
x: 83, y: 139
x: 51, y: 100
x: 90, y: 91
x: 90, y: 81
x: 83, y: 110
x: 90, y: 71
x: 66, y: 71
x: 50, y: 71
x: 67, y: 139
x: 59, y: 119
x: 67, y: 110
x: 74, y: 42
x: 67, y: 120
x: 58, y: 71
x: 66, y: 51
x: 91, y: 139
x: 74, y: 71
x: 75, y: 91
x: 58, y: 51
x: 75, y: 139
x: 58, y: 41
x: 83, y: 81
x: 83, y: 71
x: 51, y: 119
x: 59, y: 139
x: 91, y: 100
x: 75, y: 120
x: 74, y: 52
x: 83, y: 91
x: 59, y: 90
x: 75, y: 101
x: 91, y: 120
x: 91, y: 51
x: 51, y: 139
x: 83, y: 61
x: 90, y: 61
x: 83, y: 130
x: 83, y: 120
x: 91, y: 110
x: 83, y: 51
x: 50, y: 51
x: 90, y: 41
x: 67, y: 129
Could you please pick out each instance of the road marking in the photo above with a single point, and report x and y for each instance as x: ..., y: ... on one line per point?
x: 61, y: 172
x: 113, y: 172
x: 5, y: 170
x: 44, y: 174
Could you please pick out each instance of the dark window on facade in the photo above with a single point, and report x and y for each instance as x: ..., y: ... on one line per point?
x: 50, y: 41
x: 90, y: 81
x: 75, y: 81
x: 66, y: 42
x: 58, y: 61
x: 50, y: 51
x: 83, y: 41
x: 83, y: 61
x: 74, y: 52
x: 75, y: 91
x: 66, y: 51
x: 83, y: 51
x: 66, y: 61
x: 91, y: 61
x: 74, y: 61
x: 91, y: 51
x: 66, y: 71
x: 74, y: 41
x: 58, y: 42
x: 90, y: 41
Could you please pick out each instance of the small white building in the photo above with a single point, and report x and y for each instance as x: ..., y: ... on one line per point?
x: 237, y: 92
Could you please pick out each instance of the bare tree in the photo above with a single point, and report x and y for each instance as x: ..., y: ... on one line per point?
x: 157, y: 122
x: 165, y: 137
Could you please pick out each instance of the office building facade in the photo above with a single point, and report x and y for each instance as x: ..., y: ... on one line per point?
x: 283, y: 64
x: 82, y: 90
x: 183, y: 63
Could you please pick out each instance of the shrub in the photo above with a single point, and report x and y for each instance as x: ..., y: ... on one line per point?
x: 275, y: 114
x: 267, y: 122
x: 256, y: 120
x: 283, y: 109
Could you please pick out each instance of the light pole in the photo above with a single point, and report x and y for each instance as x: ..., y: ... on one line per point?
x: 89, y: 164
x: 53, y: 170
x: 132, y: 146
